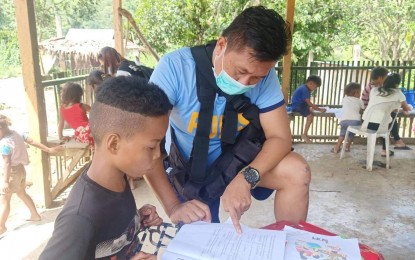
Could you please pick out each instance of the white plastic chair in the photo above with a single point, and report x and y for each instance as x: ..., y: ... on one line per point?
x: 379, y: 113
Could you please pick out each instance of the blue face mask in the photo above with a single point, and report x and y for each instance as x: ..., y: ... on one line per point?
x: 226, y: 83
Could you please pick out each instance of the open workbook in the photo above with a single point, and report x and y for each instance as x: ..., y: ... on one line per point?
x: 204, y: 241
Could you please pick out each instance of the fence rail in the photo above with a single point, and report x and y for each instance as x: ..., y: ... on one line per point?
x: 335, y: 76
x: 64, y: 166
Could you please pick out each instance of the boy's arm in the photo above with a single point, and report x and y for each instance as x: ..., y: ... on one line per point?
x: 42, y: 146
x: 60, y: 127
x: 314, y: 106
x: 186, y: 212
x: 6, y: 173
x: 71, y: 239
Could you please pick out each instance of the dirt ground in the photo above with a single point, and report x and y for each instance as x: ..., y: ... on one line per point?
x: 376, y: 207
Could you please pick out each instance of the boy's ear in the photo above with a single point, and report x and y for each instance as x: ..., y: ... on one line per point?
x: 113, y: 143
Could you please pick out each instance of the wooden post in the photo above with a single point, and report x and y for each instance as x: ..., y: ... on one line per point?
x: 117, y: 5
x: 286, y: 67
x: 35, y: 99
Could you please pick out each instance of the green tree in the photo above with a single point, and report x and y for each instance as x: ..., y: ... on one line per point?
x: 172, y: 24
x: 9, y: 50
x: 385, y: 28
x: 169, y: 25
x: 55, y: 17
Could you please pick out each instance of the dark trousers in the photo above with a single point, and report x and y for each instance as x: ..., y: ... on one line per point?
x: 394, y: 130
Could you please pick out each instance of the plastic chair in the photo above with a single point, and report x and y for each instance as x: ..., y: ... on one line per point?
x: 379, y: 113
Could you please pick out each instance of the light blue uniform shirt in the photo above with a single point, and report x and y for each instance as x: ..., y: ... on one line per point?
x: 175, y: 74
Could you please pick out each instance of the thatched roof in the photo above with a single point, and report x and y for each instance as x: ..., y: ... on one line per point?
x: 81, y: 46
x: 83, y: 42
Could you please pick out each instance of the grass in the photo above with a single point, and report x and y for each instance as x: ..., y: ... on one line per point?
x: 10, y: 71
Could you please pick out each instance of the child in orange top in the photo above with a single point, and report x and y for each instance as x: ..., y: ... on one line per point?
x: 74, y: 113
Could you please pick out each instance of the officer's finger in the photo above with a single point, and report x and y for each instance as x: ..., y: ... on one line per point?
x: 235, y: 220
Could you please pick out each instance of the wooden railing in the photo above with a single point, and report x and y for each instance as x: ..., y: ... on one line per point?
x: 335, y: 76
x: 65, y: 166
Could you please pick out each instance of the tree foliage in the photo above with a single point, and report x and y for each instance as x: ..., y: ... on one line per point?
x: 9, y: 51
x: 169, y: 24
x: 55, y: 15
x: 385, y: 28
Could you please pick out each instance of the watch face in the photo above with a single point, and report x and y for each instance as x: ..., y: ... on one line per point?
x: 252, y: 176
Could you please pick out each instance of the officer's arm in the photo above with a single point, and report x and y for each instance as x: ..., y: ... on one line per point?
x: 278, y: 143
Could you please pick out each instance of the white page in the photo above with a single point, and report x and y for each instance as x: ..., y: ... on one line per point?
x: 222, y: 242
x: 304, y: 245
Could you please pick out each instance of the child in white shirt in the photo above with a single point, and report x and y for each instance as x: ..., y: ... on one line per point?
x: 351, y: 114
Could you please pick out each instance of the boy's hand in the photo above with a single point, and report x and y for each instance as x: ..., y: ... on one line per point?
x: 5, y: 187
x: 141, y: 255
x: 149, y: 216
x: 322, y: 110
x: 189, y: 212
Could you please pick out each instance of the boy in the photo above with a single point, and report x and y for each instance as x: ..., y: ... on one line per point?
x: 100, y: 220
x: 301, y: 103
x: 352, y: 108
x: 14, y: 155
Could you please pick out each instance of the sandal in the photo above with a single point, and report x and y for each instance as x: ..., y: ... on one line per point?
x: 403, y: 148
x: 391, y: 153
x: 306, y: 139
x: 334, y: 151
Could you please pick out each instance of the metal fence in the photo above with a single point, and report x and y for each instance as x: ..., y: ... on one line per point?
x: 335, y: 76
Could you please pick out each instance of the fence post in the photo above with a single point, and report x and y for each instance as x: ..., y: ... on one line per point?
x: 286, y: 68
x: 27, y: 36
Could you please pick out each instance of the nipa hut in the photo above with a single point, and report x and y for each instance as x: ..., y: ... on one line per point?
x: 79, y: 49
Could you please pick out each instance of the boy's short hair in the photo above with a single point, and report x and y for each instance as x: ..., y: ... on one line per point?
x: 351, y: 88
x: 314, y: 78
x: 123, y: 103
x: 378, y: 72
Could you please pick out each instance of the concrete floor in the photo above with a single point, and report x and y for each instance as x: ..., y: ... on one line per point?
x: 375, y: 207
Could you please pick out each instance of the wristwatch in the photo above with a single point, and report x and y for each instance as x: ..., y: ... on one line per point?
x: 251, y: 176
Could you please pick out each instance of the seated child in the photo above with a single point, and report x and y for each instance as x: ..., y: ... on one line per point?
x: 95, y: 79
x: 100, y: 219
x: 390, y: 91
x: 377, y: 78
x: 300, y: 102
x: 14, y: 157
x: 351, y: 114
x: 74, y: 113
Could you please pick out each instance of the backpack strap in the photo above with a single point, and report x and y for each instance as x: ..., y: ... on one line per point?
x: 136, y: 70
x: 206, y: 93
